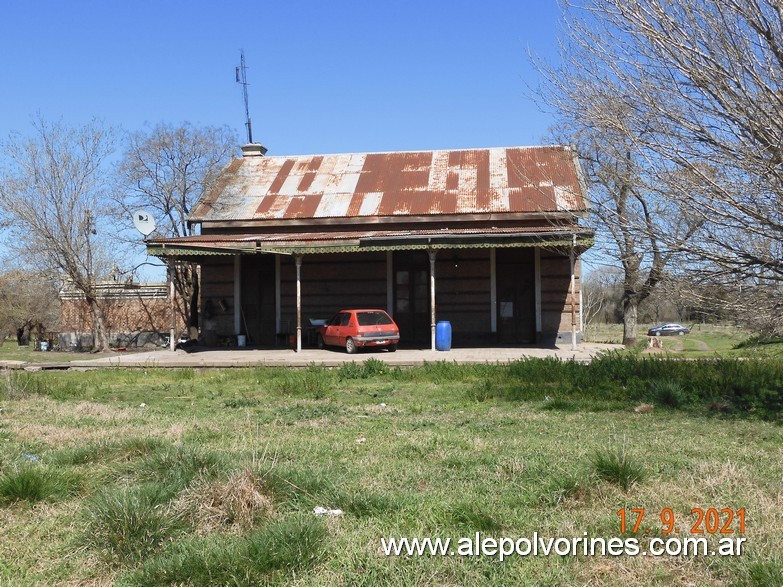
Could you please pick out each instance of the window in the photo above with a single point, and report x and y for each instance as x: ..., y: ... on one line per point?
x: 373, y: 318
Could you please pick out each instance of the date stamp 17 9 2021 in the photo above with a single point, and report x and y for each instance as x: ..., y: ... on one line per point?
x: 700, y: 521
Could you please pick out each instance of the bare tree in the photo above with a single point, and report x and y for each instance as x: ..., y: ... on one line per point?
x: 601, y: 293
x: 28, y: 303
x: 637, y: 226
x: 166, y: 169
x: 53, y: 191
x: 705, y: 81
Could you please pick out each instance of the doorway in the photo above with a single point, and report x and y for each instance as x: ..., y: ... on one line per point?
x: 516, y: 299
x: 412, y: 297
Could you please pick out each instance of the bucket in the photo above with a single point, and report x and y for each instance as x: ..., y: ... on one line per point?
x: 443, y: 336
x: 241, y: 340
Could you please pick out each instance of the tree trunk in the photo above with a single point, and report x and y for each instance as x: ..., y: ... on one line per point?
x: 630, y: 316
x: 100, y: 338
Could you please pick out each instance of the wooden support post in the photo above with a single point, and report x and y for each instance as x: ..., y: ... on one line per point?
x: 537, y: 291
x: 432, y: 299
x: 493, y: 291
x: 573, y: 294
x: 390, y: 283
x: 278, y: 297
x: 237, y: 295
x: 173, y: 309
x: 298, y: 260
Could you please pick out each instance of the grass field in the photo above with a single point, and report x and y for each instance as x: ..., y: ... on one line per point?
x: 210, y: 477
x: 10, y: 351
x: 704, y: 340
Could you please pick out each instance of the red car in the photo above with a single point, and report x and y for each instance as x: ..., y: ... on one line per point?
x: 355, y: 329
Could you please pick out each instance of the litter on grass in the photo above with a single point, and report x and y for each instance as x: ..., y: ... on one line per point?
x: 322, y: 511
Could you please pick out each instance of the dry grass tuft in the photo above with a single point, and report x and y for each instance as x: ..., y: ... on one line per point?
x: 233, y: 506
x: 644, y: 409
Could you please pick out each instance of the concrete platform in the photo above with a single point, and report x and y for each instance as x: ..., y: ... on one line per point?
x: 327, y: 357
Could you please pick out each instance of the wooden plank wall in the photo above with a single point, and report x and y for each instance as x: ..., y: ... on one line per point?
x: 330, y: 283
x: 555, y: 293
x: 217, y: 298
x: 462, y: 294
x: 258, y: 299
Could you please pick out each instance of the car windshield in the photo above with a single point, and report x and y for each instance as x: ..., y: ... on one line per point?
x: 373, y: 318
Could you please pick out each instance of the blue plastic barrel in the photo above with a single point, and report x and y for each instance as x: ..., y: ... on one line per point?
x: 443, y: 336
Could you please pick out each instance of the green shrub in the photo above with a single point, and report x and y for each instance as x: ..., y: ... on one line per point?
x: 127, y: 525
x: 765, y: 573
x: 363, y: 504
x: 17, y: 385
x: 758, y: 340
x: 174, y: 467
x: 80, y: 455
x: 34, y: 482
x: 302, y: 487
x: 351, y: 370
x: 286, y: 545
x: 134, y: 448
x: 472, y: 517
x: 483, y: 391
x: 372, y: 367
x: 281, y: 549
x: 619, y: 468
x: 563, y: 487
x: 314, y: 382
x: 614, y: 380
x: 668, y: 393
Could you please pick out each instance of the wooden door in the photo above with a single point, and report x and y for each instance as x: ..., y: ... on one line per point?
x: 412, y: 297
x: 516, y: 311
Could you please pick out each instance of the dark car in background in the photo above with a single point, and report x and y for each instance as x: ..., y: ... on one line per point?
x: 668, y: 330
x: 356, y: 329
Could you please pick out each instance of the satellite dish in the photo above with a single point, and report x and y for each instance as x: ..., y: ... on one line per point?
x: 144, y: 222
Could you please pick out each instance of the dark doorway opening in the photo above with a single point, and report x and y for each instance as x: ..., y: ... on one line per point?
x: 516, y: 310
x: 412, y: 297
x: 258, y: 299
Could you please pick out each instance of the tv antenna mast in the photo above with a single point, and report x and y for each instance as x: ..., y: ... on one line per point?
x: 241, y: 75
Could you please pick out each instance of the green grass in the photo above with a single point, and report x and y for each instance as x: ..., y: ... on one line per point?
x: 33, y: 482
x: 705, y: 340
x: 128, y: 524
x: 619, y: 467
x: 11, y: 351
x: 214, y: 481
x: 274, y: 552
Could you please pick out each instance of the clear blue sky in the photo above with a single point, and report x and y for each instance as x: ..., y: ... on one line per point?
x: 326, y: 77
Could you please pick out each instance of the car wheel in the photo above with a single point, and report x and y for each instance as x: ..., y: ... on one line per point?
x: 320, y: 342
x: 392, y: 348
x: 350, y: 346
x: 681, y: 333
x: 658, y: 333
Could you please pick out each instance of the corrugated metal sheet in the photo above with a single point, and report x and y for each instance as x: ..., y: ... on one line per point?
x: 499, y: 180
x: 368, y: 240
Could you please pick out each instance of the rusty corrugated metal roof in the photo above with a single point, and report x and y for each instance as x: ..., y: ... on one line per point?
x: 496, y: 181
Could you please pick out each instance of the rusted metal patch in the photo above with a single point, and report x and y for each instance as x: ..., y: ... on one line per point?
x: 499, y: 180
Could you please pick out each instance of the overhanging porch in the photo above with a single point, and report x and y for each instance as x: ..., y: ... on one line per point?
x: 301, y: 275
